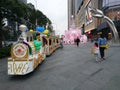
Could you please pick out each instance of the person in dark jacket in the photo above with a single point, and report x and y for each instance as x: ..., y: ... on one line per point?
x: 77, y: 41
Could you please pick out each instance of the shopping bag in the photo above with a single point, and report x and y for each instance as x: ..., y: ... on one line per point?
x: 92, y: 50
x: 106, y: 46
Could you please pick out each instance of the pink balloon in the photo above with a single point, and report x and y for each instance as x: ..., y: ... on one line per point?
x: 71, y: 35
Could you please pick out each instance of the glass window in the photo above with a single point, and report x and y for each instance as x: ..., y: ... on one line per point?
x: 31, y: 38
x: 50, y: 41
x: 110, y: 2
x: 27, y: 39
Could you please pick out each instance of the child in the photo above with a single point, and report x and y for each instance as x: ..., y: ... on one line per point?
x: 96, y: 51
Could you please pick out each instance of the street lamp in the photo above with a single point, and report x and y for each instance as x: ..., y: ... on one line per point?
x: 55, y: 25
x: 36, y: 11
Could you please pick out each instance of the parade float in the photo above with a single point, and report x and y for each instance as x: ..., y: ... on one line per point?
x: 30, y: 50
x: 50, y: 44
x: 73, y: 33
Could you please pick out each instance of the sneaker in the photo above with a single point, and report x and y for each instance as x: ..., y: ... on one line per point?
x: 97, y: 61
x: 102, y: 59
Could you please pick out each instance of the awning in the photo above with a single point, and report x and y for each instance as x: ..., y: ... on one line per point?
x: 102, y: 26
x: 105, y: 25
x: 117, y: 23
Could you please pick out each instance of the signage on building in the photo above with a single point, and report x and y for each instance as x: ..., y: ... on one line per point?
x: 88, y: 18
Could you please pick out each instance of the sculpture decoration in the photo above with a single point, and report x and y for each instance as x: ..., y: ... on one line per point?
x: 72, y: 33
x: 99, y: 14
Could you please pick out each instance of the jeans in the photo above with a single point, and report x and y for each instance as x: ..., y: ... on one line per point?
x: 102, y: 52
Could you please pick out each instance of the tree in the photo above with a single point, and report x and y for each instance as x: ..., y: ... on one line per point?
x: 16, y: 11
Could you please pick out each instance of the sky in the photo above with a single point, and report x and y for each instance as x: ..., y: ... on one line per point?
x: 56, y: 11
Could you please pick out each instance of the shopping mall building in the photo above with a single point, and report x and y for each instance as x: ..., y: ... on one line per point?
x: 91, y: 26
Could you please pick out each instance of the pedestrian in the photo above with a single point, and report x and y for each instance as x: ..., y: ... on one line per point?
x: 95, y: 51
x: 102, y: 41
x: 77, y: 41
x: 61, y: 42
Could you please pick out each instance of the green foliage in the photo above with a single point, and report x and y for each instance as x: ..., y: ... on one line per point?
x: 5, y: 51
x: 20, y: 10
x: 14, y: 11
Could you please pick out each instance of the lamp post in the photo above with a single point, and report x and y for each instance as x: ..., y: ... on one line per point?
x: 54, y: 25
x: 36, y: 11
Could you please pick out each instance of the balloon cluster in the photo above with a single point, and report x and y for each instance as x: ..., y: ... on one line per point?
x: 37, y: 44
x: 23, y: 28
x: 31, y: 30
x: 46, y: 32
x: 40, y: 29
x: 27, y: 29
x: 54, y: 37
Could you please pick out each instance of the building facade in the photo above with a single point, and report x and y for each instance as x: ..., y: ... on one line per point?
x: 84, y: 18
x: 111, y: 8
x: 73, y: 8
x: 80, y: 10
x: 89, y: 24
x: 70, y: 11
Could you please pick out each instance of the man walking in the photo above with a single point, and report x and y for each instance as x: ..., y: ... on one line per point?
x: 77, y: 41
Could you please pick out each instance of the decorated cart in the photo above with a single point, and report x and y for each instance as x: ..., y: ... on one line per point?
x: 26, y: 54
x: 30, y: 50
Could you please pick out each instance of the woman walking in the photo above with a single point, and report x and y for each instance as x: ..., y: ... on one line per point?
x: 102, y: 41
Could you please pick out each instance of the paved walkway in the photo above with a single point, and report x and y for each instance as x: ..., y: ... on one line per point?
x: 74, y: 68
x: 70, y: 68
